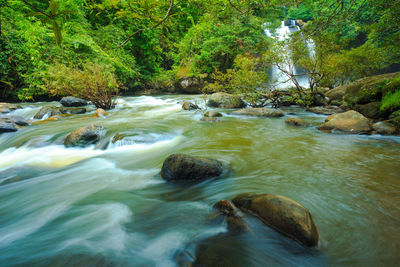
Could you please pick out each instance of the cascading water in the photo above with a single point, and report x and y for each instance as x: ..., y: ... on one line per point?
x: 278, y: 78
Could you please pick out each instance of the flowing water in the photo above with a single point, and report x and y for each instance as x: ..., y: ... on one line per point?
x: 91, y: 207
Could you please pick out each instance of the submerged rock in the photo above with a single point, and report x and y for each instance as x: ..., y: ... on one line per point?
x: 263, y: 112
x: 84, y: 136
x: 326, y: 110
x: 224, y: 100
x: 385, y: 128
x: 181, y: 167
x: 210, y: 119
x: 234, y: 220
x: 296, y: 122
x: 283, y: 214
x: 350, y: 121
x: 18, y: 120
x: 189, y: 106
x: 70, y: 101
x: 211, y: 114
x: 8, y: 127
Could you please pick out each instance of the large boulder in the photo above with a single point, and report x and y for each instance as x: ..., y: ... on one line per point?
x: 70, y: 101
x: 7, y: 107
x: 189, y: 106
x: 18, y: 120
x: 191, y: 85
x: 385, y: 128
x: 283, y: 214
x: 366, y: 90
x: 336, y: 95
x: 8, y: 127
x: 350, y: 122
x: 262, y: 112
x: 224, y: 100
x: 371, y: 110
x: 181, y: 167
x: 84, y: 136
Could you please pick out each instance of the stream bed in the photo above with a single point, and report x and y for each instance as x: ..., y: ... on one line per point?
x: 92, y: 207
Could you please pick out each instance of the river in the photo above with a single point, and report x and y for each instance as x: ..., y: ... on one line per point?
x: 91, y: 207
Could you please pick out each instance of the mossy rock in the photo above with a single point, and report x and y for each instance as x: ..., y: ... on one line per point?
x: 367, y: 90
x: 224, y: 100
x: 371, y: 110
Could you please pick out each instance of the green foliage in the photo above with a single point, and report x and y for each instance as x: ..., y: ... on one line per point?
x: 213, y: 45
x: 391, y: 101
x: 93, y: 82
x: 247, y: 78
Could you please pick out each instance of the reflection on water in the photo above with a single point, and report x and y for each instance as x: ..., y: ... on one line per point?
x: 86, y: 206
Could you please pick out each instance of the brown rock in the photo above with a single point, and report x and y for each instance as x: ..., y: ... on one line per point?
x: 283, y: 214
x: 189, y: 106
x: 100, y: 112
x: 84, y: 136
x: 350, y: 121
x: 211, y: 114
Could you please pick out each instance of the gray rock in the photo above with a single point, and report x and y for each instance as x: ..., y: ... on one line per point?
x: 224, y: 100
x: 262, y: 112
x: 70, y: 101
x: 385, y: 128
x: 18, y: 120
x: 326, y: 110
x: 8, y: 127
x: 181, y: 167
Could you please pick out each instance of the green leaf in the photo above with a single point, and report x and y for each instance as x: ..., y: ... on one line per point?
x: 57, y: 32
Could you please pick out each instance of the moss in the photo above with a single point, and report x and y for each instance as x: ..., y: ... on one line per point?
x: 391, y: 101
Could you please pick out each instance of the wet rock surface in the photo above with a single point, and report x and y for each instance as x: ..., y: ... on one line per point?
x: 70, y: 101
x: 181, y: 167
x: 84, y: 136
x: 281, y: 213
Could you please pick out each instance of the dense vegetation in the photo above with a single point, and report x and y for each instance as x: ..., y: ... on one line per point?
x: 144, y: 43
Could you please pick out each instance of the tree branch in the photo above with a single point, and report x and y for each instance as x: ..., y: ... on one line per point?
x: 171, y: 4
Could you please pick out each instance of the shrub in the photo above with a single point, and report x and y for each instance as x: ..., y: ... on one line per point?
x: 391, y: 101
x: 248, y: 78
x: 93, y: 82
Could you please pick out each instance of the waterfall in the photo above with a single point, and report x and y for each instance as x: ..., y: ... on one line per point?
x: 278, y: 78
